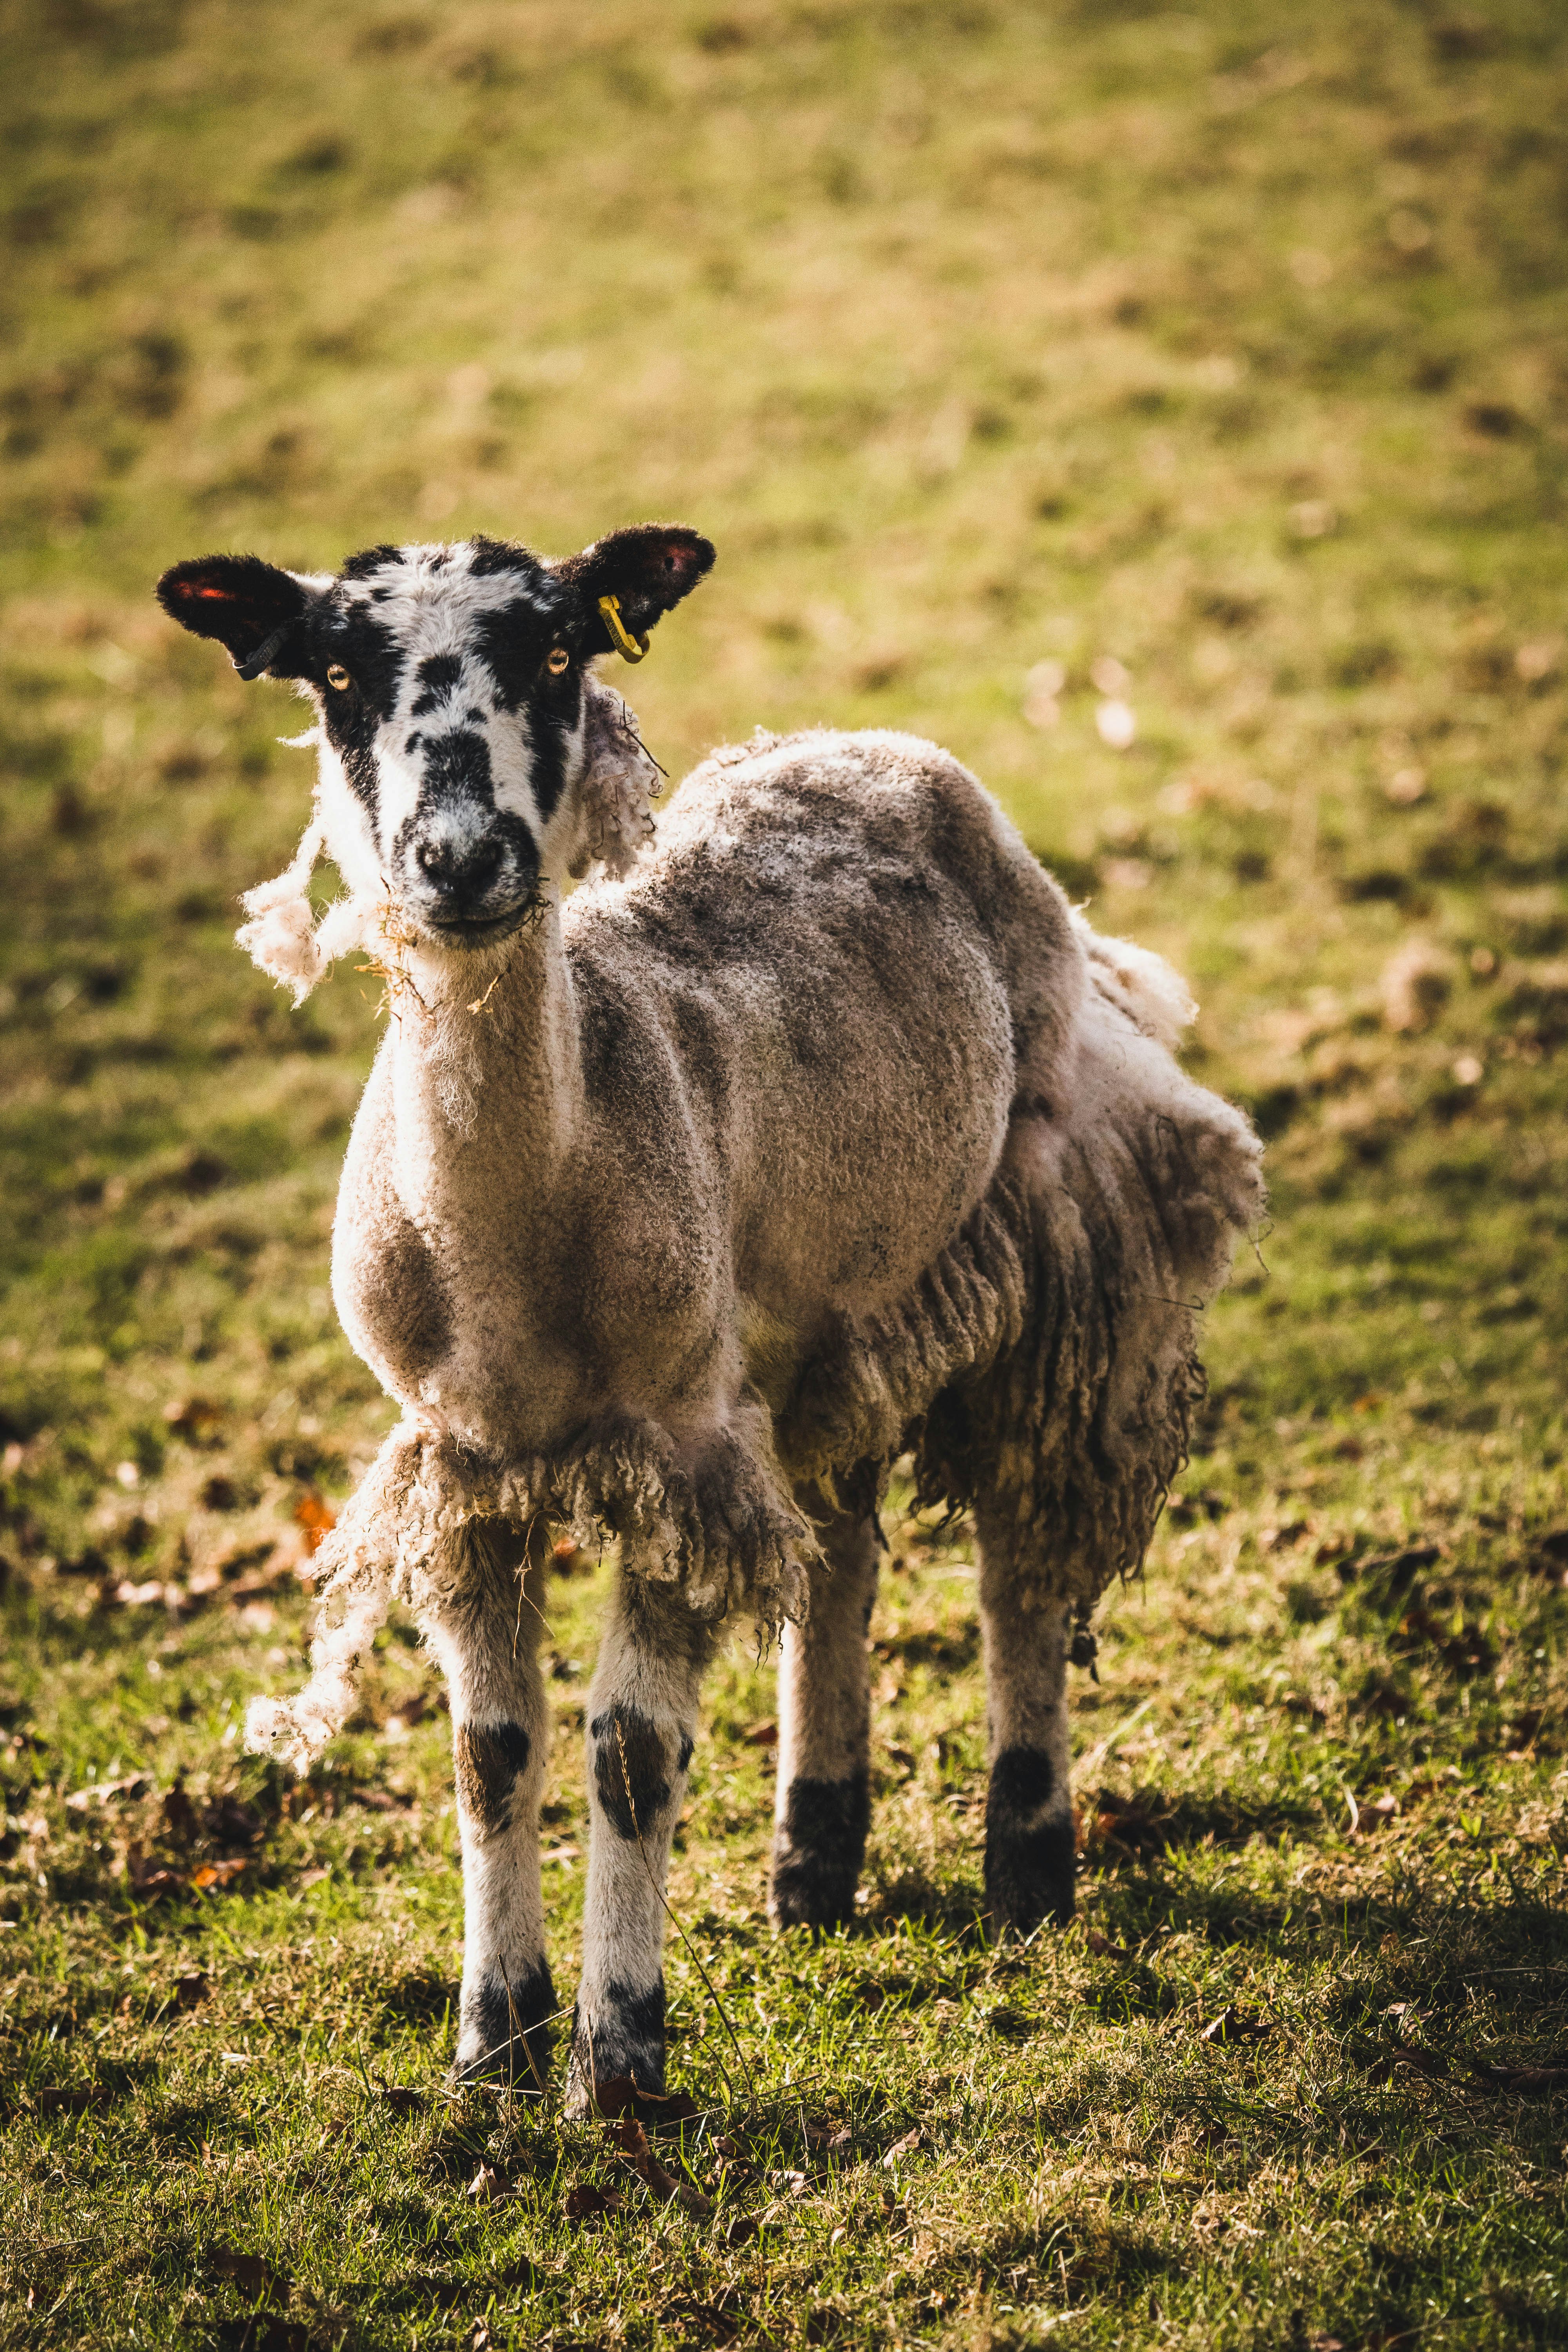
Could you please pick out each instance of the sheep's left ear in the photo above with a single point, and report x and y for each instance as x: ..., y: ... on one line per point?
x: 648, y: 569
x: 250, y: 606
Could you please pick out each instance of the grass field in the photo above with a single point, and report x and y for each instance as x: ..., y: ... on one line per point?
x: 1024, y: 362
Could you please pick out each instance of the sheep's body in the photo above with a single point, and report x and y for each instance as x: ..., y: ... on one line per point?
x: 828, y: 1129
x: 827, y: 1132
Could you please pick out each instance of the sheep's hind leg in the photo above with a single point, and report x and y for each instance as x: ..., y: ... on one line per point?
x: 484, y: 1630
x: 824, y: 1801
x: 642, y: 1720
x: 1029, y: 1857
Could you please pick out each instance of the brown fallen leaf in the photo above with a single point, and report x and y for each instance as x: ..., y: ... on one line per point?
x: 1127, y: 1822
x: 218, y: 1873
x: 190, y: 1990
x: 150, y: 1879
x: 1233, y: 2025
x: 1428, y: 2062
x: 522, y: 2272
x: 1104, y: 1949
x: 400, y: 2101
x: 585, y: 2203
x: 761, y: 1734
x: 252, y: 2273
x: 1523, y: 2078
x: 827, y: 2135
x: 618, y: 2094
x: 487, y: 2184
x: 316, y: 1516
x: 630, y: 2142
x: 905, y: 2147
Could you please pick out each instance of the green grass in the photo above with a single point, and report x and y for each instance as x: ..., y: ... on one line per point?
x: 1230, y: 344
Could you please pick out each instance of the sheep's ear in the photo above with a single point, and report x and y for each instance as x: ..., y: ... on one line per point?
x: 648, y: 569
x: 249, y: 606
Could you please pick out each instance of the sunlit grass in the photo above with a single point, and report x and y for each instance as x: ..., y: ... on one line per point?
x: 1227, y: 347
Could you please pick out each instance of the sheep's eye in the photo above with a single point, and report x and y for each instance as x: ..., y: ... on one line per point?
x: 338, y: 676
x: 557, y: 661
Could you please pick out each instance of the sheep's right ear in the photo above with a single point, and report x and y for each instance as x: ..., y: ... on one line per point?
x: 251, y: 607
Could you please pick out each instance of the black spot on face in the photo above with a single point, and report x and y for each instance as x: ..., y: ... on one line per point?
x: 346, y: 633
x: 628, y: 2037
x: 505, y: 2031
x: 512, y: 642
x: 629, y: 1770
x: 818, y: 1852
x: 438, y: 675
x: 489, y: 1758
x: 1030, y: 1862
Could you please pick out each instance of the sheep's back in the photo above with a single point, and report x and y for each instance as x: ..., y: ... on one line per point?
x: 848, y: 955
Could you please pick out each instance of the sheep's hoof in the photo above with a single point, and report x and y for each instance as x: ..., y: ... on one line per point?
x: 618, y: 2049
x: 1030, y: 1858
x: 818, y: 1851
x: 504, y: 2037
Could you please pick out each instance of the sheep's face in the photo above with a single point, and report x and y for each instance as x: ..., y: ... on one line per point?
x: 451, y: 686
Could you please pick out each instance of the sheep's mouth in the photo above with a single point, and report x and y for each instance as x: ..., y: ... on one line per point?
x: 480, y: 930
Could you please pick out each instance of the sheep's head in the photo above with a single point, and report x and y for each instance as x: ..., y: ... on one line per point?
x: 460, y: 721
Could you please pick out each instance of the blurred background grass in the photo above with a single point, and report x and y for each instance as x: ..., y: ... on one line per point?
x: 1046, y: 375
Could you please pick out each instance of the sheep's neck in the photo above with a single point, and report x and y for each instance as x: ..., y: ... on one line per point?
x: 488, y: 1081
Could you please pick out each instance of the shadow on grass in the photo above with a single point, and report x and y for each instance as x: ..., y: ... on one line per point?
x: 421, y: 1999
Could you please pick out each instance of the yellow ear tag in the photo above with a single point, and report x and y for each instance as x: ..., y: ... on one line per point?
x: 630, y: 648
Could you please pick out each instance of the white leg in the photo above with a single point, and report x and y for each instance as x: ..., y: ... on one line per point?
x: 642, y: 1721
x: 487, y: 1638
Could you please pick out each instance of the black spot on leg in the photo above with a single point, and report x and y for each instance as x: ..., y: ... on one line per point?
x: 1030, y: 1862
x: 818, y: 1852
x: 505, y: 2031
x: 628, y: 2037
x: 629, y: 1770
x: 489, y: 1756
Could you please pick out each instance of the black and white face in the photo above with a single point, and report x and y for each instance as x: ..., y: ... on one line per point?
x: 450, y: 685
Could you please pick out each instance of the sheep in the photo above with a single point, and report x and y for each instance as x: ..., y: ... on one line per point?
x: 816, y: 1132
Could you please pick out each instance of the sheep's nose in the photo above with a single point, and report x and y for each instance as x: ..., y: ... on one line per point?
x: 458, y: 868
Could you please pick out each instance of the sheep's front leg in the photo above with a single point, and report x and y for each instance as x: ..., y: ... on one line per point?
x: 487, y: 1638
x: 642, y: 1720
x: 1030, y: 1862
x: 823, y: 1802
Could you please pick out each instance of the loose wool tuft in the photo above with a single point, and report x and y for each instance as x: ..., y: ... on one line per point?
x: 619, y: 779
x: 283, y: 935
